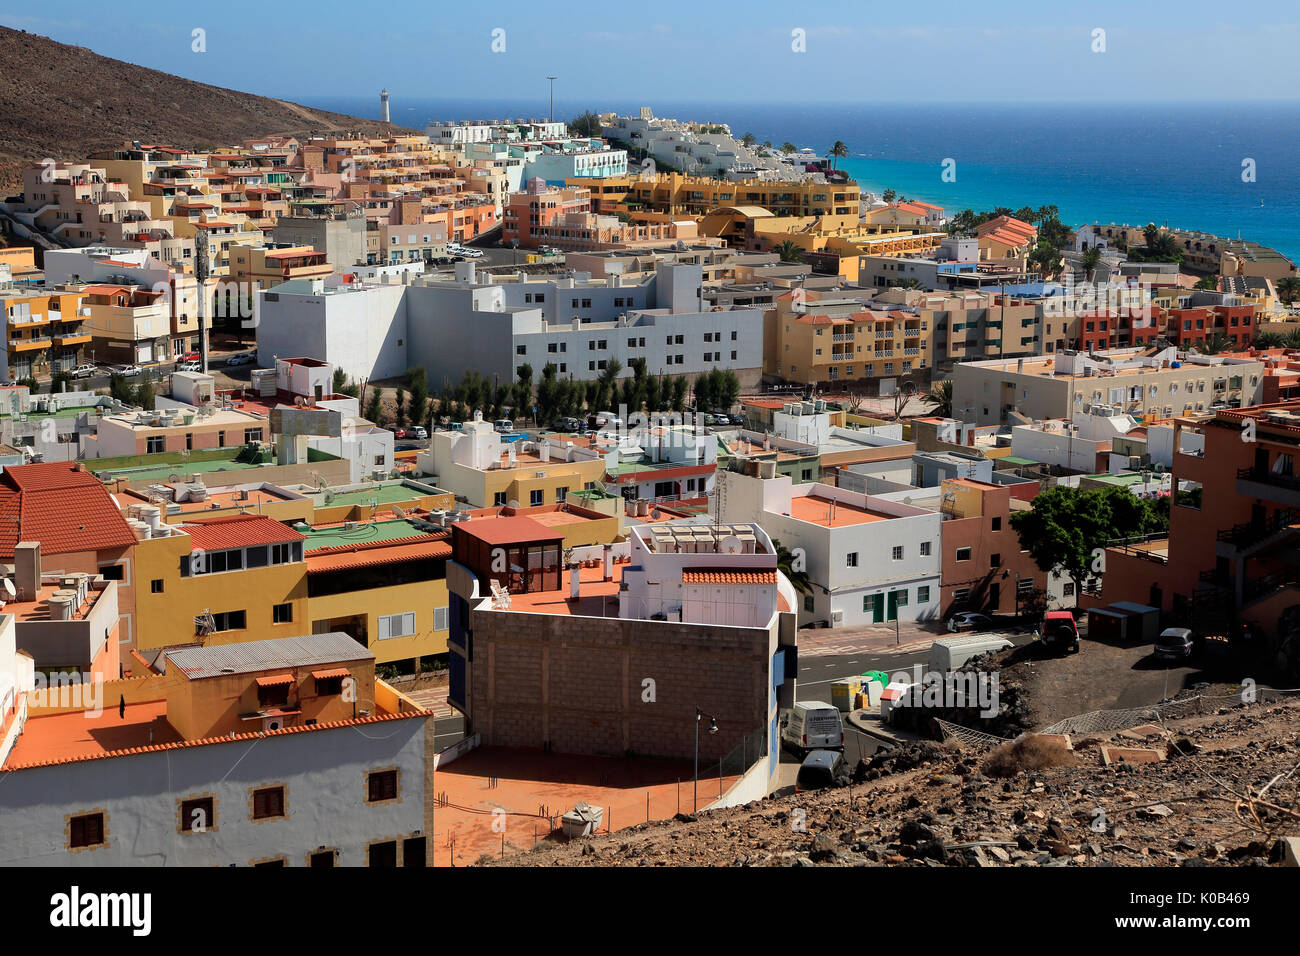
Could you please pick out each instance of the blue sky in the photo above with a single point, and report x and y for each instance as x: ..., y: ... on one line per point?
x: 936, y: 51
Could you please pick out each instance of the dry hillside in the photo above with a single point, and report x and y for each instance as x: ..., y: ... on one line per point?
x: 65, y: 102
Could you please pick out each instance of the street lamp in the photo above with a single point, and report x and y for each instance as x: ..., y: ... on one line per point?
x: 713, y: 729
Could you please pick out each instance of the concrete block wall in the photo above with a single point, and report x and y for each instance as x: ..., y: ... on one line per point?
x: 578, y: 684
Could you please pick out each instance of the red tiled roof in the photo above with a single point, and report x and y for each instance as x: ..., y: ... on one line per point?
x: 237, y: 531
x: 347, y: 557
x: 728, y: 576
x: 66, y: 510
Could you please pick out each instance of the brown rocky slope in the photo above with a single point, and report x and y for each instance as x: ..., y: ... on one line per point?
x: 1210, y: 803
x: 65, y: 102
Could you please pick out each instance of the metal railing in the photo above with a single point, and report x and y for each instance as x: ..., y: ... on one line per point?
x: 1251, y: 532
x: 1264, y: 476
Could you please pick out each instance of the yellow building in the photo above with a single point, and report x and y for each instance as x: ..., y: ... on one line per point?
x: 260, y: 267
x: 221, y: 580
x: 816, y: 338
x: 478, y: 468
x: 45, y: 329
x: 676, y: 194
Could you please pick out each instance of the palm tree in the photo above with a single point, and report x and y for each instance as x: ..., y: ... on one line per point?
x: 788, y: 147
x: 749, y: 139
x: 1089, y: 260
x: 889, y: 195
x: 1268, y: 340
x: 789, y: 251
x: 1288, y: 289
x: 1292, y: 340
x: 941, y: 395
x: 1208, y: 282
x: 785, y: 564
x: 839, y: 150
x: 1215, y: 344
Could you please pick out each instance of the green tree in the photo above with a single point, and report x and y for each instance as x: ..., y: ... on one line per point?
x: 679, y: 388
x: 1068, y: 529
x: 889, y: 195
x: 60, y: 381
x: 1210, y: 283
x: 1288, y: 289
x: 418, y: 380
x: 1268, y: 340
x: 375, y: 406
x: 586, y: 123
x: 785, y: 561
x: 941, y: 395
x: 749, y: 139
x: 119, y: 389
x: 789, y: 251
x: 838, y: 151
x: 1090, y: 259
x: 788, y: 147
x: 144, y: 392
x: 523, y: 390
x: 401, y: 411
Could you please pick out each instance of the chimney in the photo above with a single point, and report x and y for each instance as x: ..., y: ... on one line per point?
x: 27, y: 569
x: 609, y: 564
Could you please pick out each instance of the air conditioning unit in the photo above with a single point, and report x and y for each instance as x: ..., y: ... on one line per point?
x: 272, y: 723
x: 837, y: 617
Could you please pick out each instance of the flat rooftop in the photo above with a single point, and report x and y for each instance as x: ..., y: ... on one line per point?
x: 817, y: 510
x: 338, y: 534
x: 597, y: 597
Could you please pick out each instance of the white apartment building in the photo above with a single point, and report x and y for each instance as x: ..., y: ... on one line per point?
x: 869, y: 560
x: 448, y: 326
x: 1160, y: 383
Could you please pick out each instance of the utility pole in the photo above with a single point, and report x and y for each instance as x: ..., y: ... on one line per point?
x: 201, y: 274
x: 552, y: 80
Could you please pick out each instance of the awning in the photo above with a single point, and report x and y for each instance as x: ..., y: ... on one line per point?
x: 276, y: 680
x: 333, y: 672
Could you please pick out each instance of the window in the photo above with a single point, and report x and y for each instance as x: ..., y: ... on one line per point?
x: 154, y: 444
x: 1025, y: 586
x: 897, y: 552
x: 961, y: 595
x: 851, y: 559
x: 381, y: 785
x: 997, y: 523
x: 268, y: 803
x: 286, y: 552
x: 963, y: 554
x: 198, y: 814
x: 440, y: 618
x: 156, y: 586
x: 925, y: 549
x: 229, y: 621
x: 923, y: 595
x: 808, y: 604
x: 561, y: 493
x: 282, y: 614
x: 397, y: 625
x: 252, y: 434
x: 1068, y: 589
x: 521, y: 349
x: 535, y: 497
x: 995, y: 560
x: 87, y: 830
x: 900, y: 598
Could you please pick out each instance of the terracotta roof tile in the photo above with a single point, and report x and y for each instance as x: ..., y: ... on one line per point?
x: 728, y: 576
x: 66, y: 510
x: 237, y: 531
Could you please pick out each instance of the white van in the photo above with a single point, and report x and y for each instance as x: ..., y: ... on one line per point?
x: 950, y: 653
x: 812, y: 725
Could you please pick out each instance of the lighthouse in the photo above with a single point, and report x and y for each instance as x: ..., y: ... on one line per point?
x: 383, y: 105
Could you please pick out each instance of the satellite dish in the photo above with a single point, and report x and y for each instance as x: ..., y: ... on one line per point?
x: 9, y: 588
x: 907, y: 500
x: 729, y: 545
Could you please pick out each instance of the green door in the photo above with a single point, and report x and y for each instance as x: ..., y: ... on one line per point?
x: 893, y: 605
x: 877, y: 609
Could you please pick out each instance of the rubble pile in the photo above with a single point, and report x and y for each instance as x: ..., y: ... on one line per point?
x: 931, y: 805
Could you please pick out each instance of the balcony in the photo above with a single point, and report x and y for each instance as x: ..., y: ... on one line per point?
x: 911, y: 333
x: 842, y: 337
x: 27, y: 345
x: 1245, y: 536
x: 72, y: 338
x: 1269, y: 486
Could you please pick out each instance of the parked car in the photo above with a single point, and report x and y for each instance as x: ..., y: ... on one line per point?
x: 84, y: 371
x: 821, y: 770
x: 503, y: 426
x: 472, y: 253
x: 1059, y: 632
x: 189, y: 366
x: 243, y: 358
x: 1174, y: 644
x: 418, y: 432
x: 127, y: 370
x: 568, y: 424
x: 970, y: 621
x: 812, y: 725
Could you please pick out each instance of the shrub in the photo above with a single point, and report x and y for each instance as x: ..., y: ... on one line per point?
x: 1028, y: 753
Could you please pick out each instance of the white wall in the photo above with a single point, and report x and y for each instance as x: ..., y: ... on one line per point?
x: 324, y: 772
